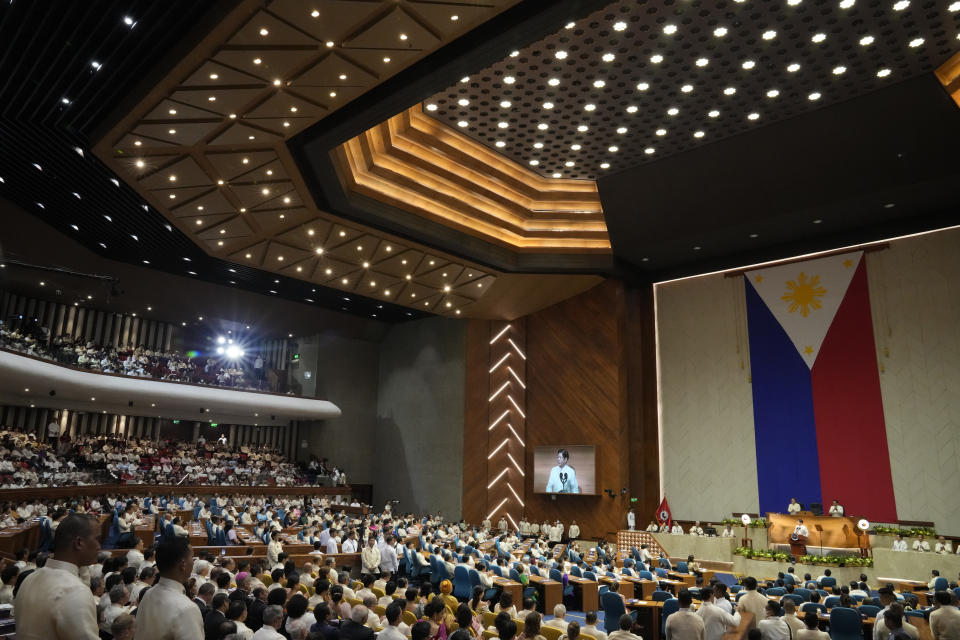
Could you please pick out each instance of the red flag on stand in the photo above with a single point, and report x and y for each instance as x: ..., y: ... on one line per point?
x: 663, y: 513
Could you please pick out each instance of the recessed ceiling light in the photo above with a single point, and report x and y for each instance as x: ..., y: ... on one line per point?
x: 649, y: 151
x: 463, y: 123
x: 702, y: 62
x: 838, y: 70
x: 772, y: 93
x: 556, y: 174
x: 454, y: 17
x: 503, y: 124
x: 431, y: 107
x: 569, y: 163
x: 753, y: 116
x: 500, y: 143
x: 631, y: 109
x: 661, y: 132
x: 534, y: 163
x: 65, y: 100
x: 954, y: 7
x: 604, y: 165
x: 264, y: 31
x: 713, y: 113
x: 814, y: 96
x: 139, y: 164
x: 866, y: 41
x: 589, y: 106
x: 748, y: 64
x: 619, y: 26
x: 553, y: 82
x: 137, y: 143
x: 719, y: 32
x: 403, y: 36
x: 560, y: 55
x: 794, y: 3
x: 314, y: 14
x: 669, y: 29
x: 672, y: 111
x: 656, y: 58
x: 793, y: 67
x: 613, y: 149
x: 687, y: 88
x: 570, y: 25
x: 276, y: 82
x: 343, y: 233
x: 846, y: 4
x: 818, y: 37
x: 575, y: 147
x: 883, y: 73
x: 901, y: 5
x: 643, y: 86
x: 698, y: 134
x: 538, y: 145
x: 463, y: 102
x: 543, y: 126
x: 769, y: 34
x: 729, y: 91
x: 257, y: 61
x: 548, y: 105
x: 916, y: 42
x: 330, y: 44
x: 96, y: 65
x: 509, y: 79
x: 333, y: 94
x: 621, y: 130
x: 514, y: 53
x: 608, y: 57
x: 465, y: 79
x: 172, y: 132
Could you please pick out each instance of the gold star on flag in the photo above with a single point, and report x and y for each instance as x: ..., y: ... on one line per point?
x: 848, y: 263
x: 808, y: 350
x: 759, y: 279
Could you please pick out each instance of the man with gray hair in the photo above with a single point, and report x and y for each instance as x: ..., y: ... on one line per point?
x: 118, y: 600
x: 272, y: 619
x: 354, y: 628
x: 559, y: 618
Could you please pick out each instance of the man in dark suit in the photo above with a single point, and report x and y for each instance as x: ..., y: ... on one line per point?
x: 216, y: 616
x: 204, y: 597
x: 255, y: 609
x: 354, y: 629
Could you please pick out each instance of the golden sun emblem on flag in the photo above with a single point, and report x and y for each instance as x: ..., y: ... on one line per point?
x: 804, y: 294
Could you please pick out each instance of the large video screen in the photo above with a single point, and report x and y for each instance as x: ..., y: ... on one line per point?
x: 565, y: 469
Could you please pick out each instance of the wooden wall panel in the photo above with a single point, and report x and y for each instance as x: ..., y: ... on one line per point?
x: 474, y: 503
x: 575, y: 352
x: 590, y: 379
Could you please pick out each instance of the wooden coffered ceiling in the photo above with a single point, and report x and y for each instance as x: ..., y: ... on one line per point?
x: 207, y: 145
x: 415, y: 163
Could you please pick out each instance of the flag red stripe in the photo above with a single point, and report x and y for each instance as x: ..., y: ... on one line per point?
x: 848, y: 407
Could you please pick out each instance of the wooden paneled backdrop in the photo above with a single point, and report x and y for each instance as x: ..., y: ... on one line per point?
x: 590, y: 379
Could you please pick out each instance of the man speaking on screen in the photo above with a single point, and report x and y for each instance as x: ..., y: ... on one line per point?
x: 563, y: 477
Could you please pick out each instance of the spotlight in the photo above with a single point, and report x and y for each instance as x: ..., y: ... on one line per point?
x: 221, y: 340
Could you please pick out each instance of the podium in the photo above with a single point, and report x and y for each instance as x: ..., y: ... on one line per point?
x: 798, y: 545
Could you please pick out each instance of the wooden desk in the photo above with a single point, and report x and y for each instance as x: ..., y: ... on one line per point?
x: 648, y: 617
x: 26, y: 535
x: 688, y: 579
x: 515, y: 589
x: 837, y: 532
x: 588, y: 593
x: 552, y: 591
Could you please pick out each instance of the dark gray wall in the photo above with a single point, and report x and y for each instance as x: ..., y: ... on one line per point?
x: 346, y: 374
x: 420, y: 408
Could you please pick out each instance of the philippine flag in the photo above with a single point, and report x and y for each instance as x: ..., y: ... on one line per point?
x: 817, y: 407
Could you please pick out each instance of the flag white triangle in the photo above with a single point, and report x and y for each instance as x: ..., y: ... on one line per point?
x: 804, y: 297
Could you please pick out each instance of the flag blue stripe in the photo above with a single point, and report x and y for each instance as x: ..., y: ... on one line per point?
x: 784, y: 425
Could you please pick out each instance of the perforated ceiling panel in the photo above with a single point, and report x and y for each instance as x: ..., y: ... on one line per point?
x: 639, y: 80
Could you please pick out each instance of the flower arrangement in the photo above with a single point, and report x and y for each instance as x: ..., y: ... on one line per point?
x: 759, y: 523
x: 906, y: 533
x: 838, y: 561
